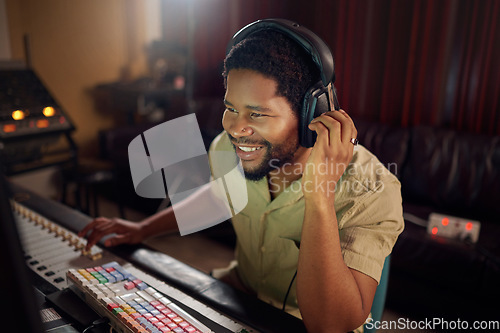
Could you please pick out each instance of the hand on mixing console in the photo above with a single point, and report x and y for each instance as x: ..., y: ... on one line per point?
x: 126, y: 232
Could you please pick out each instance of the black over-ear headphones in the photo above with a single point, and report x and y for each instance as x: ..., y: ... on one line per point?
x: 321, y: 96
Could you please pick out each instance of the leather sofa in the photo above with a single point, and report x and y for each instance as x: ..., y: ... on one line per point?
x: 453, y: 173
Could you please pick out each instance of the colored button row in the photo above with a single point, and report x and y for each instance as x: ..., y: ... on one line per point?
x: 148, y: 308
x: 136, y: 305
x: 102, y: 275
x: 133, y: 316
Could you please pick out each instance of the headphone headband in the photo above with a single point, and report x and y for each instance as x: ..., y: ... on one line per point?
x: 319, y: 51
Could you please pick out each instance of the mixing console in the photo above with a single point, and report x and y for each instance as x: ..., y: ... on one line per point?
x: 129, y: 303
x: 58, y: 256
x: 50, y: 250
x: 35, y: 130
x: 27, y: 107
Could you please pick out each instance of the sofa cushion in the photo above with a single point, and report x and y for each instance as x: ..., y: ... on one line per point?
x: 454, y: 171
x: 388, y: 143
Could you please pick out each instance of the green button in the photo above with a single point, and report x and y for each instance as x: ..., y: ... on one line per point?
x: 117, y: 310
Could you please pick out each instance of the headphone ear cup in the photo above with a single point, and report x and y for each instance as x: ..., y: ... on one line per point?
x: 315, y: 103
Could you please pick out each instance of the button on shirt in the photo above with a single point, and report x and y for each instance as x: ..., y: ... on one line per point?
x: 368, y: 206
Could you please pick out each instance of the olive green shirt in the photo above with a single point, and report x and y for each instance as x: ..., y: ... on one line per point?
x: 368, y: 205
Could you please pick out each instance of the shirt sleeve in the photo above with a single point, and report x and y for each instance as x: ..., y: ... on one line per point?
x: 370, y: 227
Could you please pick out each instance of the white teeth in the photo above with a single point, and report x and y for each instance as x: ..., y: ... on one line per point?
x: 248, y: 149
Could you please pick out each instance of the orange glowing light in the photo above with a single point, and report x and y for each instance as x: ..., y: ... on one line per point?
x: 18, y: 115
x: 9, y: 128
x: 468, y: 226
x: 49, y: 111
x: 42, y: 123
x: 445, y: 221
x: 434, y: 231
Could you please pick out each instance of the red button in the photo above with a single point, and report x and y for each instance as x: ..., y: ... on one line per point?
x: 111, y: 306
x: 129, y: 285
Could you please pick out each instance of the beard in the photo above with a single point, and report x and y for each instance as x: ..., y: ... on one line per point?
x: 276, y: 156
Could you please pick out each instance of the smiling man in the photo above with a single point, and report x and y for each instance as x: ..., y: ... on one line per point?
x: 320, y: 218
x: 317, y: 223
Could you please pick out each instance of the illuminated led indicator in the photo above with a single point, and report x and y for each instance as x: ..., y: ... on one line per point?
x: 62, y: 120
x: 434, y: 231
x: 445, y: 221
x: 42, y: 123
x: 468, y: 226
x: 8, y: 128
x: 49, y: 111
x: 17, y: 115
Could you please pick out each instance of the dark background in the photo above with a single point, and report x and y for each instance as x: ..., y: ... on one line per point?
x: 398, y: 62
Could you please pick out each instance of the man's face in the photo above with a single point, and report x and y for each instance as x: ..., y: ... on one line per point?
x: 261, y: 125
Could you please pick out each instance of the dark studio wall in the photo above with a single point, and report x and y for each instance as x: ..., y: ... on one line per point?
x: 397, y: 62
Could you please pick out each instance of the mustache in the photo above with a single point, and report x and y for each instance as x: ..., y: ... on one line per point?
x: 247, y: 141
